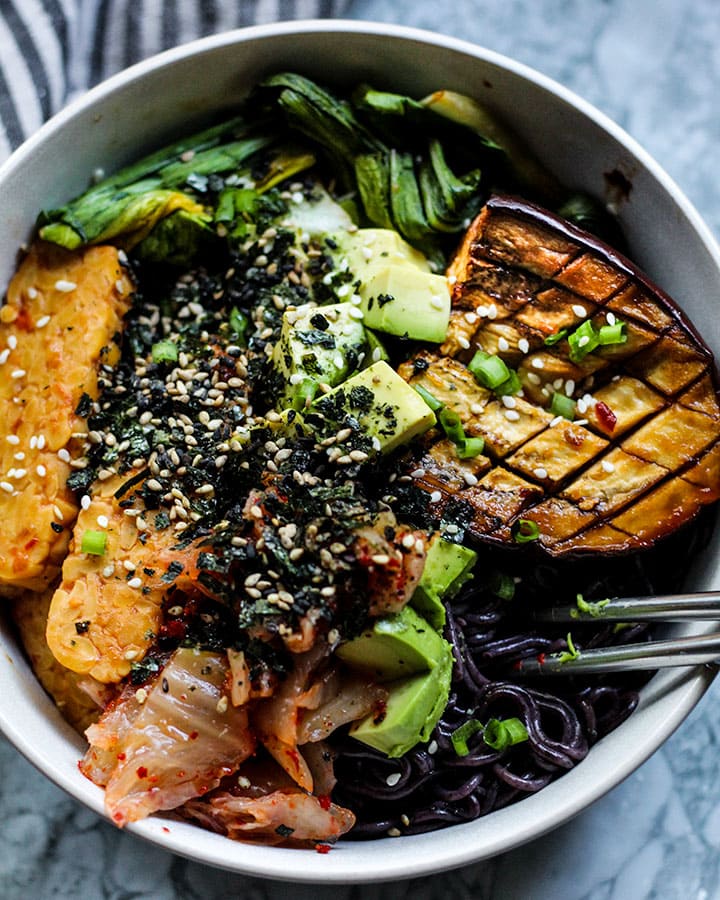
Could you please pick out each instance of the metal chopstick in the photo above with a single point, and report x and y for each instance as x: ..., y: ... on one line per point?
x: 686, y: 651
x: 668, y: 608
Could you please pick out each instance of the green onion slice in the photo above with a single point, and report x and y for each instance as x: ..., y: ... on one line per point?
x: 238, y: 323
x: 563, y: 406
x: 571, y: 653
x: 452, y: 426
x: 471, y: 447
x: 612, y: 334
x: 511, y: 385
x: 431, y: 400
x: 526, y: 531
x: 583, y: 341
x: 553, y: 339
x: 503, y: 733
x: 164, y: 351
x: 489, y: 371
x: 94, y: 542
x: 460, y: 737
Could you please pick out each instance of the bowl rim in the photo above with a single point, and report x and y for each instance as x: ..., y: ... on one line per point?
x: 416, y: 855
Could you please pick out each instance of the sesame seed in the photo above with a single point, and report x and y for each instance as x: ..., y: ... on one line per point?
x: 12, y: 439
x: 394, y: 832
x: 135, y: 583
x: 131, y: 654
x: 65, y: 286
x: 417, y: 473
x: 471, y: 318
x: 583, y: 341
x: 57, y: 512
x: 222, y: 704
x: 432, y: 747
x: 580, y: 422
x: 437, y: 303
x: 256, y: 512
x: 19, y: 456
x: 408, y: 541
x: 537, y: 363
x: 581, y: 406
x: 524, y: 345
x: 42, y: 321
x: 153, y: 484
x: 610, y: 318
x: 463, y: 343
x: 141, y: 695
x: 512, y: 415
x: 533, y: 378
x: 12, y: 342
x: 129, y: 565
x: 508, y: 401
x: 556, y: 421
x: 380, y: 559
x: 108, y: 571
x: 470, y: 479
x: 41, y: 442
x: 607, y: 466
x: 18, y: 373
x: 540, y: 472
x: 393, y: 779
x: 4, y: 356
x: 103, y: 521
x: 85, y: 501
x: 435, y: 497
x: 7, y: 487
x: 492, y: 311
x: 503, y: 344
x: 569, y: 387
x: 356, y: 313
x: 579, y: 310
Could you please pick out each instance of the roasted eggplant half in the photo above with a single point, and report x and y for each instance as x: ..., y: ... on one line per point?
x: 594, y: 400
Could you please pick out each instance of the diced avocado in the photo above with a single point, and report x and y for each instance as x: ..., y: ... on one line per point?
x: 319, y: 343
x: 447, y: 568
x: 375, y: 348
x: 403, y: 300
x: 383, y: 404
x: 414, y: 706
x: 377, y: 247
x: 396, y: 646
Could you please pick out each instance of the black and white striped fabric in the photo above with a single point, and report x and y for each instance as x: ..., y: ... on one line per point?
x: 51, y: 50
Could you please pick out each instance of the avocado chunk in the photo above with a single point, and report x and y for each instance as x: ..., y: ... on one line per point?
x: 317, y: 344
x: 382, y: 403
x: 396, y: 646
x: 375, y: 348
x: 414, y: 706
x: 374, y: 247
x: 447, y: 567
x: 402, y: 300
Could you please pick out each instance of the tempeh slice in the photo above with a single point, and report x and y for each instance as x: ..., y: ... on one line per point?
x: 59, y: 323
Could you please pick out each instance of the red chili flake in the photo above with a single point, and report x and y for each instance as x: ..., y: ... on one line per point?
x: 118, y: 816
x: 541, y: 658
x: 324, y: 801
x: 323, y: 848
x: 23, y: 320
x: 166, y: 829
x: 142, y: 772
x: 606, y: 417
x: 31, y: 543
x: 122, y: 757
x: 194, y: 735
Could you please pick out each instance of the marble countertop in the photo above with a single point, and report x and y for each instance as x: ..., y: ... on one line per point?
x: 653, y: 66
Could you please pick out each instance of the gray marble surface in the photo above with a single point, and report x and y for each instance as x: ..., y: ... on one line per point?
x: 654, y: 66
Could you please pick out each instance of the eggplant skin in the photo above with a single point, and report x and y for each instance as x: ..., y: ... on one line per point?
x: 641, y: 457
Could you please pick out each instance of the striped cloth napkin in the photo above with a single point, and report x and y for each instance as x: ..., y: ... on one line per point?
x: 52, y: 50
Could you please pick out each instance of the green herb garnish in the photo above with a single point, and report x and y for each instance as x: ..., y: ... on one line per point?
x: 94, y: 543
x: 563, y: 406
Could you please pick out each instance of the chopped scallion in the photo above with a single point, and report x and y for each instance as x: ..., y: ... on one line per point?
x: 571, y: 653
x: 489, y: 371
x: 429, y: 398
x: 583, y: 341
x: 94, y: 542
x: 555, y: 338
x: 526, y: 531
x: 563, y: 406
x: 612, y: 334
x: 452, y: 426
x: 471, y: 447
x: 459, y: 738
x: 503, y: 733
x: 511, y: 385
x: 164, y: 351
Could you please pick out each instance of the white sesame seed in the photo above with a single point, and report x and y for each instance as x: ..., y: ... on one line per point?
x: 33, y: 442
x: 129, y: 565
x: 356, y: 313
x: 417, y: 473
x: 569, y: 387
x: 19, y: 456
x: 380, y: 559
x: 103, y: 521
x: 42, y: 321
x: 471, y: 318
x: 464, y: 343
x: 41, y: 442
x: 524, y: 345
x: 18, y: 373
x: 476, y: 408
x: 492, y: 311
x: 556, y: 421
x: 537, y: 363
x: 141, y: 695
x: 503, y: 344
x: 579, y: 310
x: 607, y: 466
x: 557, y: 384
x: 435, y: 497
x: 533, y: 378
x: 65, y: 286
x: 540, y: 472
x: 437, y: 303
x: 4, y: 356
x: 135, y: 583
x: 452, y: 279
x: 610, y: 318
x: 7, y: 487
x: 408, y: 541
x: 482, y: 311
x: 108, y: 571
x: 583, y: 341
x: 581, y: 406
x: 12, y: 342
x: 41, y: 471
x: 432, y: 747
x: 63, y: 455
x: 508, y: 401
x: 512, y: 415
x: 58, y: 513
x: 393, y: 779
x: 12, y: 439
x: 580, y: 422
x: 85, y: 501
x: 131, y: 654
x: 470, y: 479
x: 32, y: 293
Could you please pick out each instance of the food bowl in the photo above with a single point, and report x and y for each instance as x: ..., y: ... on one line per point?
x: 163, y: 97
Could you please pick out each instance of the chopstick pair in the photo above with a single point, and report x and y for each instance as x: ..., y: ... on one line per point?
x: 686, y: 651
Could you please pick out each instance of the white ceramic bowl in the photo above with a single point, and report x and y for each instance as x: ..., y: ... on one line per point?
x: 160, y: 98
